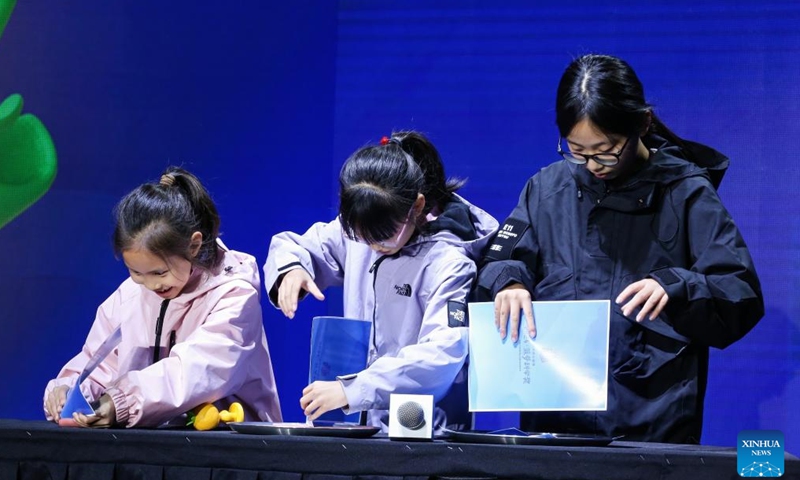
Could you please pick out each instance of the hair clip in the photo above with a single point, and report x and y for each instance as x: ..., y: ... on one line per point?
x: 167, y: 180
x: 388, y: 140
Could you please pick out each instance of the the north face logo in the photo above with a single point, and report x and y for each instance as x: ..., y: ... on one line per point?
x: 404, y: 290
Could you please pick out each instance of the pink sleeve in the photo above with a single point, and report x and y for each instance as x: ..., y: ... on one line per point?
x: 102, y: 327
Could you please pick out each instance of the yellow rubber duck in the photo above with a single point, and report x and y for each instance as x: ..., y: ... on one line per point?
x: 207, y: 416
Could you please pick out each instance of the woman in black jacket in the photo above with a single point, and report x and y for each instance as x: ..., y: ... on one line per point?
x: 630, y: 214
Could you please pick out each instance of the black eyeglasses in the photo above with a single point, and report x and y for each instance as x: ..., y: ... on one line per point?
x: 608, y: 159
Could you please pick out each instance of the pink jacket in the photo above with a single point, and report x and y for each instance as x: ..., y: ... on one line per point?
x: 220, y: 352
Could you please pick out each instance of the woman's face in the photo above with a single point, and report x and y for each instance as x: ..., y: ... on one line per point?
x: 586, y: 139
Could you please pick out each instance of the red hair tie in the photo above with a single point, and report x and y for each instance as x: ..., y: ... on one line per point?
x: 385, y: 140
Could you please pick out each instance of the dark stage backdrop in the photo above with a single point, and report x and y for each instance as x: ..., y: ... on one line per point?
x: 264, y: 101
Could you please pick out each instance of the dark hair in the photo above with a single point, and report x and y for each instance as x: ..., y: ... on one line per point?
x: 378, y: 185
x: 162, y: 216
x: 606, y: 90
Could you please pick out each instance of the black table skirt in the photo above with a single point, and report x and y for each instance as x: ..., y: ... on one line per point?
x: 42, y: 450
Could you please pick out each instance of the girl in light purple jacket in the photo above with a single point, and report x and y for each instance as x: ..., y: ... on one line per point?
x: 403, y: 249
x: 189, y: 318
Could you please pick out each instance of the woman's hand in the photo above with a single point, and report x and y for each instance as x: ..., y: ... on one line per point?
x: 647, y: 293
x: 321, y: 397
x: 55, y: 402
x: 293, y: 282
x: 105, y: 415
x: 507, y: 305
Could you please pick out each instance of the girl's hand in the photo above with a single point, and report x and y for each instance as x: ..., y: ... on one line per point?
x: 507, y: 305
x: 105, y: 415
x: 321, y: 397
x: 647, y: 293
x: 295, y: 281
x: 55, y: 402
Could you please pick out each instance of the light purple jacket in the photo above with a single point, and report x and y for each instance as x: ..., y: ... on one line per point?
x: 220, y: 353
x: 413, y: 350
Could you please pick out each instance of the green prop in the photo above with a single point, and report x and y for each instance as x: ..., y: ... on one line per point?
x: 27, y: 154
x: 5, y: 11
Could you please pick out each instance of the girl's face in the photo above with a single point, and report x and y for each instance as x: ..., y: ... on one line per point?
x: 404, y: 231
x: 586, y: 139
x: 165, y: 277
x: 398, y: 241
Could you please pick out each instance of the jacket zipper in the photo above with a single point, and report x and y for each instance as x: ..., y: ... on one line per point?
x: 159, y: 326
x: 374, y: 271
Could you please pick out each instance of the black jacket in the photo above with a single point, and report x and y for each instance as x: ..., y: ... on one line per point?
x: 573, y: 237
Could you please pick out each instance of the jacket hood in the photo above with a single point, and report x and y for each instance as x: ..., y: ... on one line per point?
x: 234, y: 266
x: 463, y: 225
x: 713, y: 162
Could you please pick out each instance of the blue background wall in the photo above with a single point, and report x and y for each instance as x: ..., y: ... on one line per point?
x: 264, y: 101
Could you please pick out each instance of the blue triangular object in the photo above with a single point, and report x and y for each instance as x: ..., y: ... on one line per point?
x: 76, y: 403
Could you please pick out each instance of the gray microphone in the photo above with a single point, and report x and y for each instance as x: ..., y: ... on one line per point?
x: 410, y: 417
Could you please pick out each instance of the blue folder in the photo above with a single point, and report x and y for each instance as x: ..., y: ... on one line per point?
x: 564, y: 368
x: 339, y: 347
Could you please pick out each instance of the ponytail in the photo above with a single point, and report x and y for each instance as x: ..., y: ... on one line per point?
x: 161, y: 217
x: 438, y: 189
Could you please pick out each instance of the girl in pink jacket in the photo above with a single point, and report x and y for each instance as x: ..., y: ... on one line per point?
x: 189, y: 319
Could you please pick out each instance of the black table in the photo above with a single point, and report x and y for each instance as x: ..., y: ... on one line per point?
x: 42, y: 450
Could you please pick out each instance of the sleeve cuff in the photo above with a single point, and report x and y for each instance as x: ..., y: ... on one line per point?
x: 120, y: 405
x: 273, y: 291
x: 354, y: 393
x: 674, y: 285
x: 505, y: 279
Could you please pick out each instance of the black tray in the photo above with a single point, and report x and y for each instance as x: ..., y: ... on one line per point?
x: 518, y: 437
x: 302, y: 429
